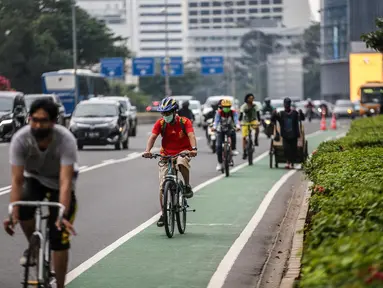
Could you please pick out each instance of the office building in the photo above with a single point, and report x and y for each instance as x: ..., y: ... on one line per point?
x: 342, y: 24
x: 285, y: 76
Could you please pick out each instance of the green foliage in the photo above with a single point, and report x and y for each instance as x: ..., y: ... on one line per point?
x: 374, y: 39
x: 36, y: 37
x: 138, y: 99
x: 344, y: 234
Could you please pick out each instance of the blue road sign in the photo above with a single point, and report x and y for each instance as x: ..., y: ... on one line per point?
x: 176, y: 67
x: 144, y: 66
x: 212, y: 65
x: 113, y: 67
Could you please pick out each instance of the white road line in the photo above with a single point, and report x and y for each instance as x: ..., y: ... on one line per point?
x: 82, y: 169
x: 209, y: 224
x: 104, y: 252
x: 227, y: 262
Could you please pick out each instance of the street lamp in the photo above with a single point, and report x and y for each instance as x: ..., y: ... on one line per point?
x: 167, y: 59
x: 74, y: 45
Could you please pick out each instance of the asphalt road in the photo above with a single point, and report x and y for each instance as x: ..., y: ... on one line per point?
x: 114, y: 197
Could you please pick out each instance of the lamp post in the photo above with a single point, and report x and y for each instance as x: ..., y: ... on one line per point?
x: 167, y: 59
x: 74, y: 46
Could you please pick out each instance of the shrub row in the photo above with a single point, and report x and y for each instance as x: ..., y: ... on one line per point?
x: 344, y: 233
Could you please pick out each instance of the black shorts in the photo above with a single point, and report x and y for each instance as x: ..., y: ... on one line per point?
x: 33, y: 190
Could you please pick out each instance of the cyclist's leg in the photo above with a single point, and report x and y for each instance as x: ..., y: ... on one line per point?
x: 59, y: 240
x: 220, y: 137
x: 245, y: 133
x: 32, y: 191
x: 233, y: 137
x: 183, y: 164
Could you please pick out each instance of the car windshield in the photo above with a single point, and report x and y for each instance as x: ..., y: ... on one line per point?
x: 29, y: 99
x: 96, y: 110
x: 344, y: 104
x: 6, y: 103
x: 276, y: 104
x: 122, y: 102
x: 194, y: 106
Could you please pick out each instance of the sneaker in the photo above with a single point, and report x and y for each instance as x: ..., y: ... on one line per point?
x: 235, y: 152
x: 24, y: 259
x: 231, y: 164
x: 256, y: 142
x: 244, y: 156
x: 160, y: 222
x: 188, y: 193
x: 219, y: 167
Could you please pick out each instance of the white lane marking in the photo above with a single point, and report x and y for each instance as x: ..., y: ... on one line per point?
x: 227, y: 262
x: 210, y: 224
x: 134, y: 155
x: 104, y: 252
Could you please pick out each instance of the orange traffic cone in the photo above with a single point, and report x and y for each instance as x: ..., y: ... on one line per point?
x: 333, y: 122
x: 323, y: 123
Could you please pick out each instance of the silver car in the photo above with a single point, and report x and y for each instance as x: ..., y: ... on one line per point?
x: 344, y: 108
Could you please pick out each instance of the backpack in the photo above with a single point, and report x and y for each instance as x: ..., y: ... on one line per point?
x: 182, y: 122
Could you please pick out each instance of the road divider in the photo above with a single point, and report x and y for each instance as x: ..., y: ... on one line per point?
x: 147, y: 117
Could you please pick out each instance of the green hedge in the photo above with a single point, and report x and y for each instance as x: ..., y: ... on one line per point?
x: 344, y: 234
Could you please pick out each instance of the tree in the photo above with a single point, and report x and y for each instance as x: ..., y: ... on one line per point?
x: 311, y: 63
x: 36, y: 37
x: 251, y: 72
x: 374, y: 39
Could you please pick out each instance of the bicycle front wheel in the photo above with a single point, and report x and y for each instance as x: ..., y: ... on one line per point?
x: 250, y: 150
x: 181, y: 211
x: 226, y: 156
x: 33, y: 267
x: 169, y: 208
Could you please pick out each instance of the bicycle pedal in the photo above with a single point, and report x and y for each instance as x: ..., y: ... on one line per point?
x: 191, y: 210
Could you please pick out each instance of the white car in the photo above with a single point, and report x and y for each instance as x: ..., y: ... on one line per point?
x: 277, y: 104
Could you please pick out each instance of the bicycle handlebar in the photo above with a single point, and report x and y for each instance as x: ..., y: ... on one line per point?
x: 168, y: 156
x: 37, y: 204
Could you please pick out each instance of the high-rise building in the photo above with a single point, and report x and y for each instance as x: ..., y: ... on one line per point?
x: 113, y: 12
x: 217, y: 27
x: 158, y: 24
x: 342, y: 24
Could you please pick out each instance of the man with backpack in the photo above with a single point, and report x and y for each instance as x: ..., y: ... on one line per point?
x: 177, y: 137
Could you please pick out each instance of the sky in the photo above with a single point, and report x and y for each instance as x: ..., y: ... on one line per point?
x: 315, y: 5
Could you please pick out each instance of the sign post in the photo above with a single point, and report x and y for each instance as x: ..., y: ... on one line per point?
x: 176, y: 66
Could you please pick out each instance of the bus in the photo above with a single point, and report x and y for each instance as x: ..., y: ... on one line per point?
x: 371, y: 96
x: 62, y: 83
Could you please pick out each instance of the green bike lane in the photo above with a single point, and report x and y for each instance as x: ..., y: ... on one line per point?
x: 223, y: 209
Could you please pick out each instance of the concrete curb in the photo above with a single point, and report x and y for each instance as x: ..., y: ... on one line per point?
x: 147, y: 118
x: 294, y: 262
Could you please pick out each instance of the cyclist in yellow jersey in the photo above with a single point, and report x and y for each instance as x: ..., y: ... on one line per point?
x: 249, y: 114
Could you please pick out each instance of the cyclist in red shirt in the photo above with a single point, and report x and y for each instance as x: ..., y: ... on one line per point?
x: 177, y: 136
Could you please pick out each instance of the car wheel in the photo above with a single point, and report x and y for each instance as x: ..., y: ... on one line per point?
x: 80, y: 146
x: 134, y: 130
x: 125, y: 144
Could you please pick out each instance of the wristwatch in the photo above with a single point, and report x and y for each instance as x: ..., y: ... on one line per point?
x: 194, y: 148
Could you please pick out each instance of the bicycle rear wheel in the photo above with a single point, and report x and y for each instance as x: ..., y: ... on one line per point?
x: 169, y: 208
x: 31, y: 272
x: 181, y: 210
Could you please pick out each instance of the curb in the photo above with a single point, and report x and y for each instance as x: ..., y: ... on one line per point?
x: 294, y: 262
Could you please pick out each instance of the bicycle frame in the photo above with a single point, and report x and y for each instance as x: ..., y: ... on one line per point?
x: 44, y: 250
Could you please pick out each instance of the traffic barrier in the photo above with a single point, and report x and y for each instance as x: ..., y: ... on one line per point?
x: 323, y: 123
x: 333, y: 122
x: 148, y: 117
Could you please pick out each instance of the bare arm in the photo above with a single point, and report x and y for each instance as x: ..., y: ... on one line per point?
x: 192, y: 139
x: 152, y: 139
x: 66, y: 175
x: 17, y: 183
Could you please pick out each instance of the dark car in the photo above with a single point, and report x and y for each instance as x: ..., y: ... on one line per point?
x: 13, y: 113
x: 29, y: 98
x: 102, y: 122
x: 131, y: 111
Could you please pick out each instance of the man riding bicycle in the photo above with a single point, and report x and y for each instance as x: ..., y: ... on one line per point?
x: 249, y: 114
x: 226, y: 117
x: 177, y: 136
x: 43, y: 158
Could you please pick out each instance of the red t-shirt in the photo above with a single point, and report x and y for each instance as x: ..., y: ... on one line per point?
x: 174, y: 140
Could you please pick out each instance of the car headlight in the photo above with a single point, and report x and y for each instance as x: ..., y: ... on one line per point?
x: 267, y: 122
x: 349, y: 111
x: 372, y: 110
x: 6, y: 121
